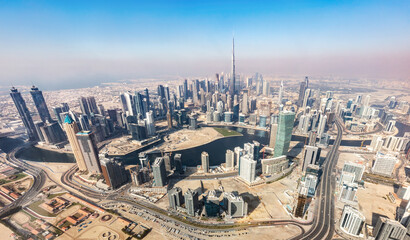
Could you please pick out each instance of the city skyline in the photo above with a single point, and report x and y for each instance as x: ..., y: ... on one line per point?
x: 62, y: 45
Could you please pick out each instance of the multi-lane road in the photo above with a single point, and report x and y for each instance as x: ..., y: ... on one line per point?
x: 39, y: 179
x: 323, y: 224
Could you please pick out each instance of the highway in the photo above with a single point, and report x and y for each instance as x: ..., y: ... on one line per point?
x: 323, y: 223
x: 39, y: 179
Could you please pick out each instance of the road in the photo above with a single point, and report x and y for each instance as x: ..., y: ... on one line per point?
x: 39, y: 179
x: 323, y: 223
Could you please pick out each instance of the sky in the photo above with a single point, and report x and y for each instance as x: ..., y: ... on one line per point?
x: 70, y: 44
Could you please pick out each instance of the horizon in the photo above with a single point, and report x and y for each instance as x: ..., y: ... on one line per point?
x: 59, y: 45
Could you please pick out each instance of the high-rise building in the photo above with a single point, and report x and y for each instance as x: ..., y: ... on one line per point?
x: 150, y: 123
x: 229, y: 159
x: 355, y: 168
x: 387, y: 229
x: 232, y: 89
x: 273, y: 132
x: 312, y: 138
x: 88, y: 146
x: 71, y: 129
x: 280, y: 93
x: 384, y: 164
x: 301, y: 203
x: 236, y: 206
x: 159, y: 171
x: 24, y: 114
x: 311, y: 156
x: 191, y: 202
x: 352, y: 221
x: 247, y: 170
x: 113, y: 172
x: 178, y: 163
x: 175, y: 198
x: 348, y: 192
x: 274, y: 165
x: 390, y: 126
x: 41, y: 105
x: 205, y: 161
x: 322, y: 125
x: 52, y: 133
x: 376, y: 143
x: 284, y: 134
x: 169, y: 119
x: 302, y: 89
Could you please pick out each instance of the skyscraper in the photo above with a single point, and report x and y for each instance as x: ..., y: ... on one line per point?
x: 159, y: 171
x: 311, y: 156
x: 236, y: 206
x: 280, y: 93
x: 387, y: 229
x: 232, y: 89
x: 71, y: 129
x: 247, y: 170
x: 89, y: 150
x: 284, y: 134
x: 302, y: 89
x: 205, y: 161
x: 114, y: 172
x: 150, y: 122
x: 352, y: 220
x: 191, y: 201
x: 175, y: 198
x: 24, y: 114
x: 40, y: 104
x: 229, y: 159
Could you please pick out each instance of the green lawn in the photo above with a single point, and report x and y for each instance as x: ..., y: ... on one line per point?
x: 55, y: 195
x: 36, y: 208
x: 226, y: 132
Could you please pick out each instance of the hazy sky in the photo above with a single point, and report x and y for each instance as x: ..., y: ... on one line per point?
x: 75, y: 43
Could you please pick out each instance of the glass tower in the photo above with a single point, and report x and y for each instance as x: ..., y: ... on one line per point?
x: 284, y: 134
x: 40, y: 104
x: 24, y: 114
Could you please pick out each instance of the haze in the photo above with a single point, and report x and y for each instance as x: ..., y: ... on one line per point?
x: 66, y: 44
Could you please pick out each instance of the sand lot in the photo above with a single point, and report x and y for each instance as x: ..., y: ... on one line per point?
x: 5, y: 233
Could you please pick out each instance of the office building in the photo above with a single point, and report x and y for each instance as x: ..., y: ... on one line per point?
x: 211, y: 204
x: 229, y: 159
x: 169, y: 119
x: 280, y: 93
x: 71, y: 129
x: 302, y: 89
x: 191, y: 202
x: 88, y: 146
x: 352, y: 221
x: 384, y: 164
x: 247, y: 170
x: 150, y: 123
x: 175, y: 198
x: 159, y: 172
x: 310, y: 182
x: 138, y: 131
x: 284, y: 134
x: 274, y: 165
x: 348, y: 192
x: 178, y: 163
x: 273, y: 132
x: 24, y: 114
x: 390, y: 126
x: 52, y: 133
x: 232, y: 85
x: 322, y: 125
x: 376, y: 143
x: 192, y: 123
x: 311, y: 156
x: 205, y: 161
x: 301, y: 204
x: 41, y: 105
x: 387, y: 229
x: 235, y: 205
x: 113, y: 172
x: 355, y: 168
x: 312, y: 138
